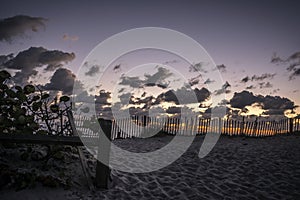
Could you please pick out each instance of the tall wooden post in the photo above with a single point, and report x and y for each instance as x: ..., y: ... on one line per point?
x: 291, y: 125
x: 255, y: 127
x: 102, y: 170
x: 242, y: 126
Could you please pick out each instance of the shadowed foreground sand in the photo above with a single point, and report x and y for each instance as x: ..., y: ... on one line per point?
x: 237, y: 168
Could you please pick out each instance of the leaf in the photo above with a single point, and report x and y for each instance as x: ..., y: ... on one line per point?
x: 22, y: 119
x: 21, y: 96
x: 36, y: 106
x: 35, y: 98
x: 11, y: 93
x: 4, y: 75
x: 30, y: 118
x: 54, y: 108
x: 28, y: 89
x: 34, y: 125
x: 45, y: 96
x: 64, y: 99
x: 19, y: 88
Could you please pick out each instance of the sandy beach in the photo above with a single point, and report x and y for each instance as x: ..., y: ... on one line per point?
x: 237, y: 168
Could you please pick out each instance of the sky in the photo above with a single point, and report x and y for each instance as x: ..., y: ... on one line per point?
x: 256, y: 45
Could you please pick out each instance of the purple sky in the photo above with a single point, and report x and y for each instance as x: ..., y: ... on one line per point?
x: 242, y: 35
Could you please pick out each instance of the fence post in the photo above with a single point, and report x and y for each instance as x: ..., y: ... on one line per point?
x: 102, y: 170
x: 291, y: 125
x: 255, y: 127
x: 242, y: 126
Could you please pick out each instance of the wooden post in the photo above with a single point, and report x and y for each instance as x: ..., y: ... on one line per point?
x: 220, y: 125
x: 291, y: 125
x: 83, y: 161
x: 102, y: 170
x: 242, y: 126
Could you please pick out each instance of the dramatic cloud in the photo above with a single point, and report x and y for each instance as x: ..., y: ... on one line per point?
x: 117, y: 68
x: 262, y: 77
x: 272, y: 104
x: 102, y: 98
x: 265, y: 85
x: 157, y: 79
x: 173, y: 110
x: 224, y: 89
x: 62, y: 80
x: 195, y: 80
x: 222, y: 68
x: 26, y: 62
x: 184, y: 94
x: 242, y: 99
x: 93, y: 70
x: 246, y: 79
x: 251, y: 87
x: 209, y: 81
x: 134, y: 82
x: 5, y: 58
x: 258, y: 78
x: 292, y: 64
x: 18, y: 25
x: 138, y: 101
x: 198, y: 67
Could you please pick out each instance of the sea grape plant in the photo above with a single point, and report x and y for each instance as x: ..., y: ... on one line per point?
x: 31, y: 110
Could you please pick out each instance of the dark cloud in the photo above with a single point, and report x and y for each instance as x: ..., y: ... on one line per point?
x: 245, y: 79
x: 18, y: 25
x: 292, y: 64
x: 209, y: 81
x: 162, y: 86
x: 173, y: 110
x: 294, y: 56
x: 4, y: 59
x: 262, y: 77
x: 273, y: 104
x: 134, y: 82
x: 224, y: 89
x: 27, y: 61
x: 202, y: 94
x: 198, y: 67
x: 62, y: 80
x: 138, y: 111
x: 242, y: 99
x: 195, y: 80
x: 145, y: 100
x: 93, y: 70
x: 55, y: 59
x: 258, y: 78
x: 222, y: 68
x: 184, y: 94
x: 157, y: 79
x: 276, y: 59
x: 251, y: 87
x: 265, y: 85
x: 102, y: 98
x: 117, y: 68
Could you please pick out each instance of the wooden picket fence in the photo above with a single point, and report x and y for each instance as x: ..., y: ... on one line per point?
x: 137, y: 126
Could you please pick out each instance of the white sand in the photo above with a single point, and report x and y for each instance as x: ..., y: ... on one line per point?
x: 237, y: 168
